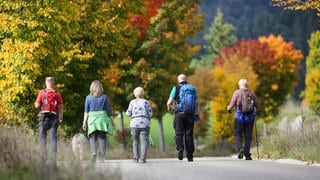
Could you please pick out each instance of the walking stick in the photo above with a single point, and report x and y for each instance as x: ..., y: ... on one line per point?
x: 255, y: 125
x: 223, y: 131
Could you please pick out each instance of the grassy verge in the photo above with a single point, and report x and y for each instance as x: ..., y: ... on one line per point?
x: 304, y: 145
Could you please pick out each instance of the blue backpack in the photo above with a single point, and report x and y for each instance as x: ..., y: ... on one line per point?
x: 187, y: 98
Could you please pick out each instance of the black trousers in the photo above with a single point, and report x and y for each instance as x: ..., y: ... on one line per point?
x: 240, y: 130
x: 183, y: 126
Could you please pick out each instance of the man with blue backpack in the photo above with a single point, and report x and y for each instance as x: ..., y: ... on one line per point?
x: 246, y: 105
x: 185, y: 97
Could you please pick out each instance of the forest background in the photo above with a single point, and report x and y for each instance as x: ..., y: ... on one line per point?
x: 148, y: 43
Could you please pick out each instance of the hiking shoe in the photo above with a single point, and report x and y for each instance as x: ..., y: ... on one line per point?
x: 240, y: 155
x: 180, y: 154
x: 190, y: 158
x: 248, y: 158
x: 93, y: 158
x: 142, y: 161
x: 135, y: 160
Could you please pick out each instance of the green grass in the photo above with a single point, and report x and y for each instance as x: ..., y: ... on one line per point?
x: 154, y: 130
x: 304, y: 146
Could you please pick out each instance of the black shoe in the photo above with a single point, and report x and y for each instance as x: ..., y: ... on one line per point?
x: 190, y: 158
x: 180, y: 154
x: 248, y: 158
x: 143, y: 161
x: 135, y: 160
x: 240, y: 155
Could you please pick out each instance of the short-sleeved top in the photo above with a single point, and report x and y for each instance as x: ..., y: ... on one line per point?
x: 140, y: 112
x: 41, y: 95
x: 174, y: 94
x: 97, y: 104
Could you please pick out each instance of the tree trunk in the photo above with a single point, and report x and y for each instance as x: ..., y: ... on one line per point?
x: 161, y: 135
x: 121, y: 129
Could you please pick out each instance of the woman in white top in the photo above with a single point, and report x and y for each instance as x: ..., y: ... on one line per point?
x: 140, y: 112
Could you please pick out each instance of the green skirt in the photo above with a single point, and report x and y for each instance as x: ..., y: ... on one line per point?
x: 99, y: 121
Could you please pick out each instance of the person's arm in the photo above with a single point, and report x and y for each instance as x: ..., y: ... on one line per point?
x: 233, y: 102
x: 171, y: 99
x: 86, y: 114
x: 129, y: 110
x: 149, y: 109
x: 85, y: 119
x: 60, y: 107
x: 169, y: 104
x: 109, y: 111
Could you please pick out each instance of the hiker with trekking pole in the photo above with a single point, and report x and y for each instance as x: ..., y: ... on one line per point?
x: 246, y: 105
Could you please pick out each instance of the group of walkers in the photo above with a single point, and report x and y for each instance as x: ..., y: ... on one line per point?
x: 182, y: 102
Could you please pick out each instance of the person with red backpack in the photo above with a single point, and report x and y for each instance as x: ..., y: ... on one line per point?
x: 185, y: 97
x: 49, y: 102
x: 246, y: 105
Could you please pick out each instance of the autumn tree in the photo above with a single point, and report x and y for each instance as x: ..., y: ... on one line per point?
x: 165, y: 52
x: 34, y: 43
x: 74, y: 41
x: 298, y: 4
x: 273, y: 61
x: 284, y: 77
x: 226, y: 76
x: 312, y: 92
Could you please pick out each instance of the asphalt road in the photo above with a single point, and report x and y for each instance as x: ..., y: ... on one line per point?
x: 211, y: 168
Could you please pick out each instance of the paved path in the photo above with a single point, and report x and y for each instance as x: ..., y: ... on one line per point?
x: 220, y: 168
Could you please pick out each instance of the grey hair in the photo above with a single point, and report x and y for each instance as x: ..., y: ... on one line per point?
x: 182, y: 78
x: 243, y: 82
x: 49, y: 79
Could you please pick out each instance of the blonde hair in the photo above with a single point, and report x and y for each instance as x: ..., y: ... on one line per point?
x: 138, y: 92
x: 96, y: 88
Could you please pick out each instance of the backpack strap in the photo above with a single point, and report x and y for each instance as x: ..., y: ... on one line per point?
x: 176, y: 96
x: 178, y: 87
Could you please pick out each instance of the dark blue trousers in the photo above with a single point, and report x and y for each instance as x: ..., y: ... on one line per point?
x: 48, y: 122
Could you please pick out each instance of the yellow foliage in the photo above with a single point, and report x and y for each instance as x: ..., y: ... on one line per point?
x: 227, y: 77
x: 313, y: 89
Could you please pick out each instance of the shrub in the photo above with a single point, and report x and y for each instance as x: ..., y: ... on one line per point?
x: 302, y: 146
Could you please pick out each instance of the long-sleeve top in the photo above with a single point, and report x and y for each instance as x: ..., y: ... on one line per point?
x: 140, y: 112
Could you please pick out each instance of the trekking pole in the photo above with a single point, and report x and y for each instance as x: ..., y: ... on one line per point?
x: 255, y: 125
x: 151, y: 142
x: 223, y: 131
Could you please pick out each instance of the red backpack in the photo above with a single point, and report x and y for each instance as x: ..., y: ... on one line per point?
x: 49, y: 101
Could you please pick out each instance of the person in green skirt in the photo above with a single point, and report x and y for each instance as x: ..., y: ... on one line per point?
x: 98, y: 120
